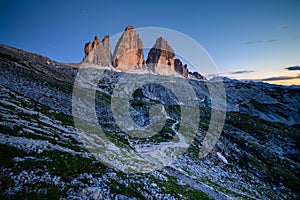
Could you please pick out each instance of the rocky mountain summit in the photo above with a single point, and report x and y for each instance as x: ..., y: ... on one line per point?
x: 129, y: 55
x: 182, y: 69
x: 98, y: 52
x: 161, y: 58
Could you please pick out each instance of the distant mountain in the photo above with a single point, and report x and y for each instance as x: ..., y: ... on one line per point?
x: 43, y: 154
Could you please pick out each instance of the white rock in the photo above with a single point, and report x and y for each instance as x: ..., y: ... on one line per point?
x: 222, y: 158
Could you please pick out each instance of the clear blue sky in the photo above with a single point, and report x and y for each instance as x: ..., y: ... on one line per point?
x: 262, y: 36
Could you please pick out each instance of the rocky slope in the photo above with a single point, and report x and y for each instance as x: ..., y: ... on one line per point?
x: 42, y: 155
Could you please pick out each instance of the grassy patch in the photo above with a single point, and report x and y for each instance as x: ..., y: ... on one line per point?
x: 130, y: 190
x: 68, y: 166
x: 172, y: 187
x: 37, y: 191
x: 259, y: 106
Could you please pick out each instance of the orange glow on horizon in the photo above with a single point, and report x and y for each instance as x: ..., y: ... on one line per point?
x: 285, y: 82
x: 292, y: 78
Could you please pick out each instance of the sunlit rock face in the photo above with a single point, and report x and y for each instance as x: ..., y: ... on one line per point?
x: 128, y: 54
x: 98, y: 52
x: 161, y: 58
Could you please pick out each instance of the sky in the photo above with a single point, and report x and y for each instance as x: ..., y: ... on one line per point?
x: 247, y: 39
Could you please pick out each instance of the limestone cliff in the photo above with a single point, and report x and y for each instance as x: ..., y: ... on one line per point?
x: 98, y: 52
x: 128, y: 54
x: 161, y: 58
x: 180, y: 68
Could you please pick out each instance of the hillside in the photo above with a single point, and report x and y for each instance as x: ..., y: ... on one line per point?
x: 43, y: 154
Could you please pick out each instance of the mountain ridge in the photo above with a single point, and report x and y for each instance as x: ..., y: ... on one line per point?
x: 239, y: 94
x: 129, y: 56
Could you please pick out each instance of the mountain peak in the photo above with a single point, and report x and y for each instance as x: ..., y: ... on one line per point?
x: 129, y: 55
x: 98, y: 52
x: 161, y: 58
x: 129, y: 27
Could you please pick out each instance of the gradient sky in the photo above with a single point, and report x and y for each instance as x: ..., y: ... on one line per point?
x: 246, y: 39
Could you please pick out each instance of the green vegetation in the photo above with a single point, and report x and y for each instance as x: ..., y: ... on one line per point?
x: 130, y: 190
x: 171, y: 186
x: 264, y: 161
x: 255, y: 158
x: 42, y: 191
x: 259, y: 106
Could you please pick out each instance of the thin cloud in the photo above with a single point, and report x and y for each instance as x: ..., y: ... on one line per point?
x: 273, y: 40
x: 285, y: 27
x: 241, y: 72
x: 231, y: 73
x: 278, y: 78
x: 261, y: 41
x: 293, y: 68
x: 254, y: 42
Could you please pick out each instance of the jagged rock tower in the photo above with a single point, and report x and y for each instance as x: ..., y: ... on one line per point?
x: 180, y: 68
x: 98, y: 52
x: 129, y: 55
x: 129, y: 52
x: 161, y: 58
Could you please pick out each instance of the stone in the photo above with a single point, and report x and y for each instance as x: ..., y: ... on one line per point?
x: 196, y: 75
x: 88, y: 48
x: 99, y: 52
x: 180, y: 68
x: 161, y: 58
x: 185, y: 71
x: 106, y: 37
x: 96, y: 42
x: 128, y: 54
x: 129, y: 27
